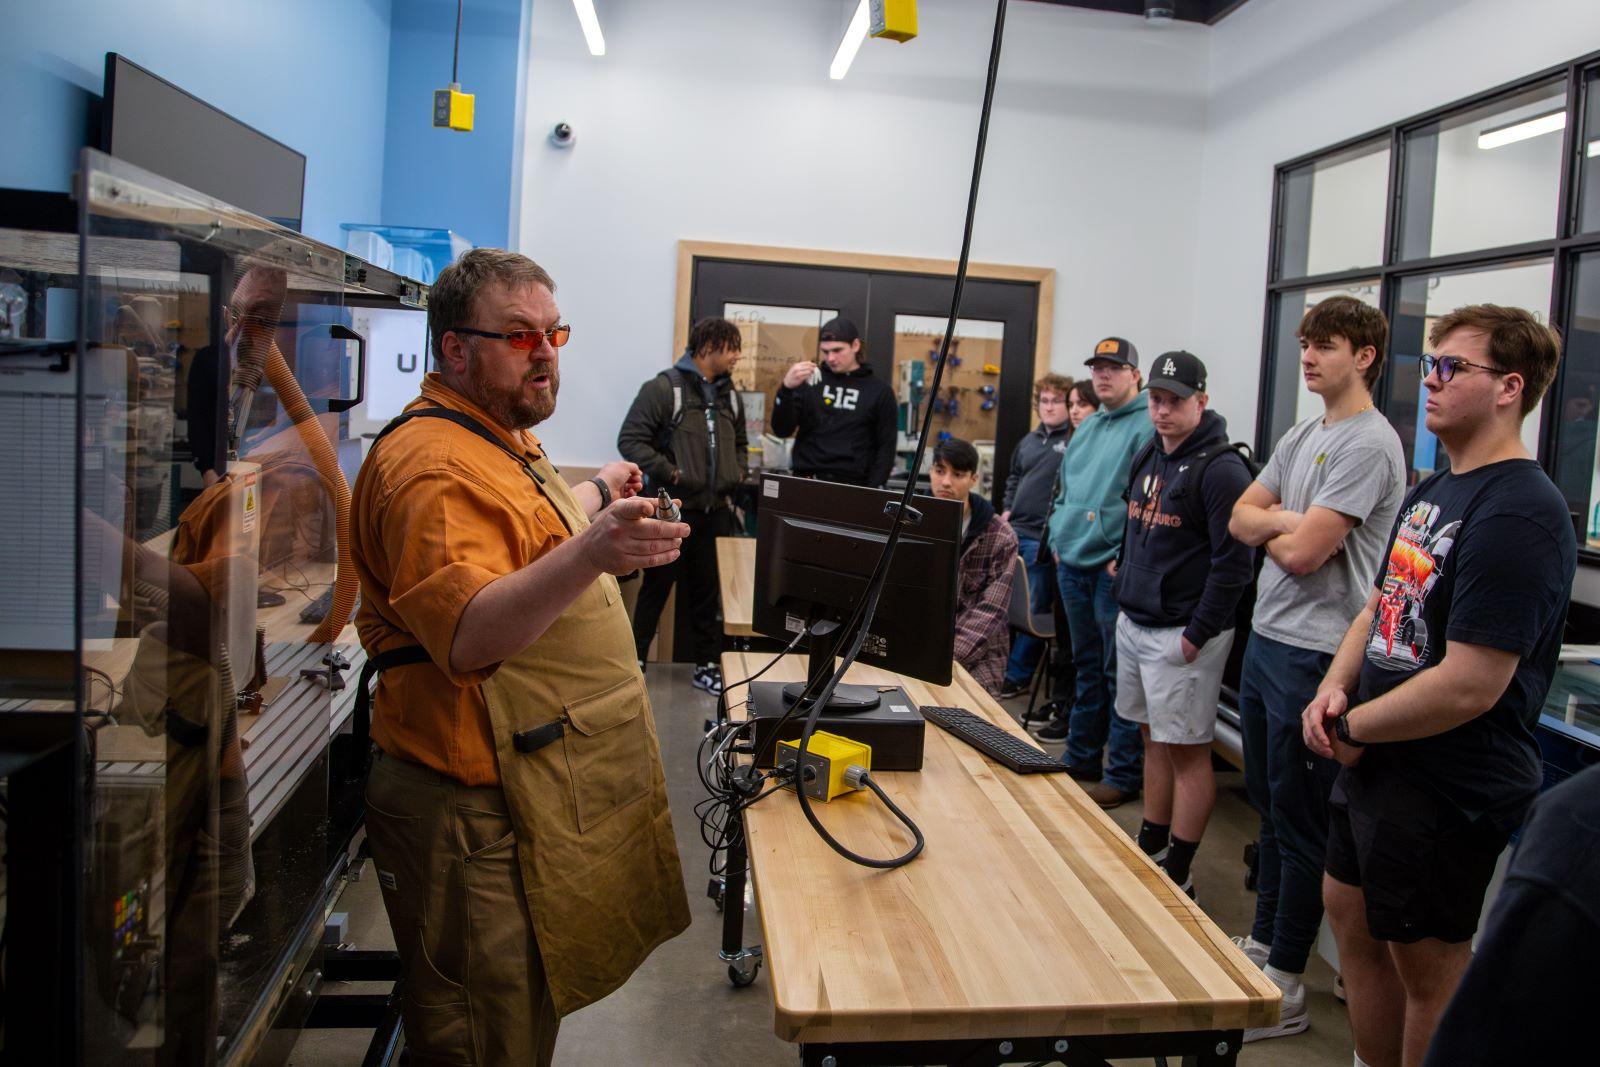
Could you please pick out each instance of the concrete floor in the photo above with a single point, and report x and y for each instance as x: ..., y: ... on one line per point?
x: 680, y: 1009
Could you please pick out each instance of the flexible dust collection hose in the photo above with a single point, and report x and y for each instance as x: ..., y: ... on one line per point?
x: 345, y: 585
x: 258, y: 298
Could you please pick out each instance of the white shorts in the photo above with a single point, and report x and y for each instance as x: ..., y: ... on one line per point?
x: 1155, y: 686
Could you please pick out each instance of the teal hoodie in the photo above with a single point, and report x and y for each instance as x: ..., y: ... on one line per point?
x: 1088, y: 513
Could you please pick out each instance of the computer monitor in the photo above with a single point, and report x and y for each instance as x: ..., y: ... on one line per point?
x: 816, y: 546
x: 152, y: 123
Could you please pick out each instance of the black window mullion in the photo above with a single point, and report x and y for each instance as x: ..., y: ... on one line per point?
x: 1391, y: 210
x: 1571, y: 156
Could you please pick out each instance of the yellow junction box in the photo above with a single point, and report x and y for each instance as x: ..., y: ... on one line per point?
x: 894, y: 19
x: 828, y: 755
x: 452, y: 109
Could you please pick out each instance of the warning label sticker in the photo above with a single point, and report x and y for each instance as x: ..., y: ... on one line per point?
x: 251, y: 494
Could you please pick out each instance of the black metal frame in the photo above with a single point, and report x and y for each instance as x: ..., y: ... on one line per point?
x: 1194, y: 1048
x: 1562, y: 249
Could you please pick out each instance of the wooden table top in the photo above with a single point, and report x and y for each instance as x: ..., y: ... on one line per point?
x: 1029, y: 913
x: 736, y: 574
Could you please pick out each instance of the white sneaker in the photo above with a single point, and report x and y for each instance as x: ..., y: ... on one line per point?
x: 1254, y: 950
x: 1293, y: 1017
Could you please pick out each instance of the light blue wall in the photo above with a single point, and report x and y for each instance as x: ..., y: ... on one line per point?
x: 442, y: 178
x: 312, y: 73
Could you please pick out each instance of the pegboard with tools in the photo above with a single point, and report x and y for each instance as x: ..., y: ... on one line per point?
x: 968, y: 404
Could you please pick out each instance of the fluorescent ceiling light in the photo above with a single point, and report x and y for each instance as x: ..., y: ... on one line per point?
x: 1594, y: 149
x: 591, y: 26
x: 1522, y: 130
x: 854, y: 34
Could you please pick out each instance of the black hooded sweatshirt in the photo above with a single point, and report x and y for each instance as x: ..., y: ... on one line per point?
x: 1175, y: 572
x: 847, y: 427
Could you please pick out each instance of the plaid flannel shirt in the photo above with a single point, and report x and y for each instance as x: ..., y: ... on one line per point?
x: 983, y: 605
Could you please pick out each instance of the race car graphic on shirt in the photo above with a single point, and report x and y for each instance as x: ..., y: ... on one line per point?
x: 1398, y: 639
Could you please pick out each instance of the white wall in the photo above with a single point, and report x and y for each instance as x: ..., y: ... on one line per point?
x: 715, y: 121
x: 1137, y: 162
x: 1291, y: 76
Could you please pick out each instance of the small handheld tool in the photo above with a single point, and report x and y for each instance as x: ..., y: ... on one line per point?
x: 666, y: 509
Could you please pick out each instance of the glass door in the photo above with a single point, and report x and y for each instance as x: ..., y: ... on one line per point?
x: 986, y: 395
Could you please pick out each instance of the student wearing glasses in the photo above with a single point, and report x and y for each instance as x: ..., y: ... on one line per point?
x: 1433, y: 696
x: 1085, y: 529
x: 510, y: 709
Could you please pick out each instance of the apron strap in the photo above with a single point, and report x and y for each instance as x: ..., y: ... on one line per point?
x: 466, y: 422
x: 361, y: 719
x: 526, y: 741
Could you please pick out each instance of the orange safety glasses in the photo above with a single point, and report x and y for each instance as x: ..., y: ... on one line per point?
x: 522, y: 340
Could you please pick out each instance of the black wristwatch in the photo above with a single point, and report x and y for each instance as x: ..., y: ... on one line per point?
x: 1341, y: 730
x: 605, y: 491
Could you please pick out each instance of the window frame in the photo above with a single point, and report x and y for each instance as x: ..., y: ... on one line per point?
x: 1563, y: 249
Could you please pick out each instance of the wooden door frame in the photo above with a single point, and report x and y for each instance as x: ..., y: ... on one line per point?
x: 1043, y: 277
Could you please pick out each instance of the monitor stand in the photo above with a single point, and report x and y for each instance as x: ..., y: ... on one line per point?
x: 826, y: 639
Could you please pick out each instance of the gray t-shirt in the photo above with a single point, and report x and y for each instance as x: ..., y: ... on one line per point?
x: 1357, y: 468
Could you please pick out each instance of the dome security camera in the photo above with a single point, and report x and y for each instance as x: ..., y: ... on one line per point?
x: 562, y: 135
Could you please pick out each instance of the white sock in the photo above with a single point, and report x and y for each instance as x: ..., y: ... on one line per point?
x: 1284, y: 980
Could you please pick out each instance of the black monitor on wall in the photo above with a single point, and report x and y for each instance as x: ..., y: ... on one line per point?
x: 153, y: 124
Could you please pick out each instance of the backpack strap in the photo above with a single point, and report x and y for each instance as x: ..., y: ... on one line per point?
x: 1139, y: 459
x: 675, y: 382
x: 1194, y: 502
x: 466, y: 422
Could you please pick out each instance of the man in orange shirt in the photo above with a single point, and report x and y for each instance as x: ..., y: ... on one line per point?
x: 516, y: 806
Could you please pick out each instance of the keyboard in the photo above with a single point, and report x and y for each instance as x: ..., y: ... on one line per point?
x: 318, y: 609
x: 999, y: 745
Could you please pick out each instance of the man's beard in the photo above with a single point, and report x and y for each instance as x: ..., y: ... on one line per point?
x: 514, y: 410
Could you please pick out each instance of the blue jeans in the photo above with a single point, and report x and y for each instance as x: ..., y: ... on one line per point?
x: 1289, y: 786
x: 1026, y: 649
x: 1091, y: 609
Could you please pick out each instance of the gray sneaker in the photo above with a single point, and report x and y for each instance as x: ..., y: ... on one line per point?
x: 1293, y: 1017
x: 1253, y: 950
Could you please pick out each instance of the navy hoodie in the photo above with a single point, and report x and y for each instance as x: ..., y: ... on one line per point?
x: 847, y: 427
x: 1173, y: 572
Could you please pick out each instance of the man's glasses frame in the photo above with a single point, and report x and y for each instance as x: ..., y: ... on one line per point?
x: 521, y: 340
x: 1448, y: 365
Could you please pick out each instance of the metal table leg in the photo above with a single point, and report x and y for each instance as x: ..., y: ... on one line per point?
x: 743, y: 963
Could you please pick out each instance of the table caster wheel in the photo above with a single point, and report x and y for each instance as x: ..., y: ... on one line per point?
x: 744, y: 972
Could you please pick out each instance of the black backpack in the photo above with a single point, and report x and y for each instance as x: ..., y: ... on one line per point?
x: 1193, y: 504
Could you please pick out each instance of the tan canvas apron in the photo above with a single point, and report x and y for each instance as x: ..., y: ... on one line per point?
x: 599, y: 861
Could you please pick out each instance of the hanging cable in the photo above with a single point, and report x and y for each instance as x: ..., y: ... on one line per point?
x: 861, y: 620
x: 455, y: 60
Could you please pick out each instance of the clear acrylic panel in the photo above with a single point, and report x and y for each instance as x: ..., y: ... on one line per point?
x: 215, y: 462
x: 1423, y: 300
x: 1577, y: 458
x: 1333, y: 212
x: 1485, y: 178
x: 1289, y: 401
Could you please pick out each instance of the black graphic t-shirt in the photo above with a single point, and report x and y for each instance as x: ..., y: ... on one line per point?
x: 1484, y: 558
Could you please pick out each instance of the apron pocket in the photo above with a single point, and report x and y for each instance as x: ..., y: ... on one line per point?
x: 608, y: 751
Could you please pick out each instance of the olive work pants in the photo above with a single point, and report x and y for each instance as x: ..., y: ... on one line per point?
x: 446, y: 859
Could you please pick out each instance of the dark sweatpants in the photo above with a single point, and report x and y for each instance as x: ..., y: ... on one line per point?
x: 695, y: 570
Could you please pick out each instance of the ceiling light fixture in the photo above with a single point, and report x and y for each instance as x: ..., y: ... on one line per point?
x: 1594, y: 150
x: 1522, y: 129
x: 850, y: 44
x: 591, y: 26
